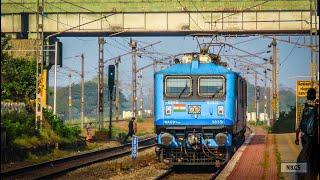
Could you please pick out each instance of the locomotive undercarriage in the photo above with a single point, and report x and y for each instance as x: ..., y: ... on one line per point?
x: 197, y: 153
x: 189, y: 156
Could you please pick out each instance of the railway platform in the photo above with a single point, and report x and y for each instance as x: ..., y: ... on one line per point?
x: 260, y: 155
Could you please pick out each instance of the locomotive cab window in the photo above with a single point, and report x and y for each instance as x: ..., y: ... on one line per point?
x: 211, y: 86
x: 178, y: 86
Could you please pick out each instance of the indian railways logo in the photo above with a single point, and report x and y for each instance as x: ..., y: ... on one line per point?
x: 294, y: 167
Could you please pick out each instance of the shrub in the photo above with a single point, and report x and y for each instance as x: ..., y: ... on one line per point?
x: 286, y: 122
x: 140, y: 120
x: 18, y: 124
x: 61, y: 129
x: 141, y: 133
x: 260, y: 123
x: 27, y: 142
x: 121, y: 136
x: 48, y: 136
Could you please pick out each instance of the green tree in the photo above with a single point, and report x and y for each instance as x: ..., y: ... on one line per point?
x: 18, y: 76
x: 287, y: 99
x: 90, y: 96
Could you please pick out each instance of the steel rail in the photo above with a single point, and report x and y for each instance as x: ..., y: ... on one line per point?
x: 215, y: 174
x: 170, y: 171
x: 165, y: 174
x: 60, y: 166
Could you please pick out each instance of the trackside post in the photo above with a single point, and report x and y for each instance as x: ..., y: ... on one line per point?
x: 134, y: 147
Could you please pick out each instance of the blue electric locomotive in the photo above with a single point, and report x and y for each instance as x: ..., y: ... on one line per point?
x: 200, y: 111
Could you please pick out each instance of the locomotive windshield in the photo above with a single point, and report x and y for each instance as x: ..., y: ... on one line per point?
x: 211, y: 86
x: 178, y: 86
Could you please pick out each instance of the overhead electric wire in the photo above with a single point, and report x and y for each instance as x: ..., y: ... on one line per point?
x: 185, y: 9
x: 150, y: 45
x: 124, y: 46
x: 239, y: 49
x: 86, y: 9
x: 52, y: 4
x: 197, y: 10
x: 125, y: 50
x: 246, y: 61
x: 72, y: 27
x: 247, y: 40
x: 287, y: 57
x: 19, y: 4
x: 281, y: 40
x: 248, y: 8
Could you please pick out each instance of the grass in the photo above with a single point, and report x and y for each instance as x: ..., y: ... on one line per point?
x: 46, y: 137
x: 141, y: 133
x: 27, y: 142
x: 127, y: 165
x: 56, y: 153
x: 278, y: 158
x: 91, y: 146
x: 261, y: 124
x: 155, y: 6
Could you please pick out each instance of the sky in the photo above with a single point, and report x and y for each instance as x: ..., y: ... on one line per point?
x: 294, y: 60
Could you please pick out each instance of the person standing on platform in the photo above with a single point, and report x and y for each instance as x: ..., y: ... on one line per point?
x: 308, y: 128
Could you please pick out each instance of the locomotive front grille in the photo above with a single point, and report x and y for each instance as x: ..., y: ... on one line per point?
x: 194, y: 157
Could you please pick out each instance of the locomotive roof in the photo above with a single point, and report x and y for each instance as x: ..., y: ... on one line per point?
x: 199, y: 69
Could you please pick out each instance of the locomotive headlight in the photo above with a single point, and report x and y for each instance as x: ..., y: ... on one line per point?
x: 220, y: 110
x: 168, y: 110
x: 221, y: 139
x: 166, y: 139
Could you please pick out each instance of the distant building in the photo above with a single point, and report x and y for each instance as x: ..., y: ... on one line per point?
x: 251, y: 116
x: 126, y: 114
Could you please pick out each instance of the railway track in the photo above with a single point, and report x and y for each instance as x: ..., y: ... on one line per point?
x: 205, y: 173
x: 63, y: 165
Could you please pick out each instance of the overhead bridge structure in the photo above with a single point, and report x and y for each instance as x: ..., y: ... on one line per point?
x: 138, y: 17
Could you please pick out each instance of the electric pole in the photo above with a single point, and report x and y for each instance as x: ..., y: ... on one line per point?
x: 275, y: 95
x: 271, y: 102
x: 141, y: 95
x: 55, y: 79
x: 101, y: 42
x: 82, y: 90
x: 265, y: 98
x: 117, y: 88
x: 133, y: 45
x: 70, y: 97
x: 255, y: 95
x: 313, y: 42
x: 40, y: 58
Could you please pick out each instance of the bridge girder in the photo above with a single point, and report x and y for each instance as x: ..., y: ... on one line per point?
x: 162, y: 23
